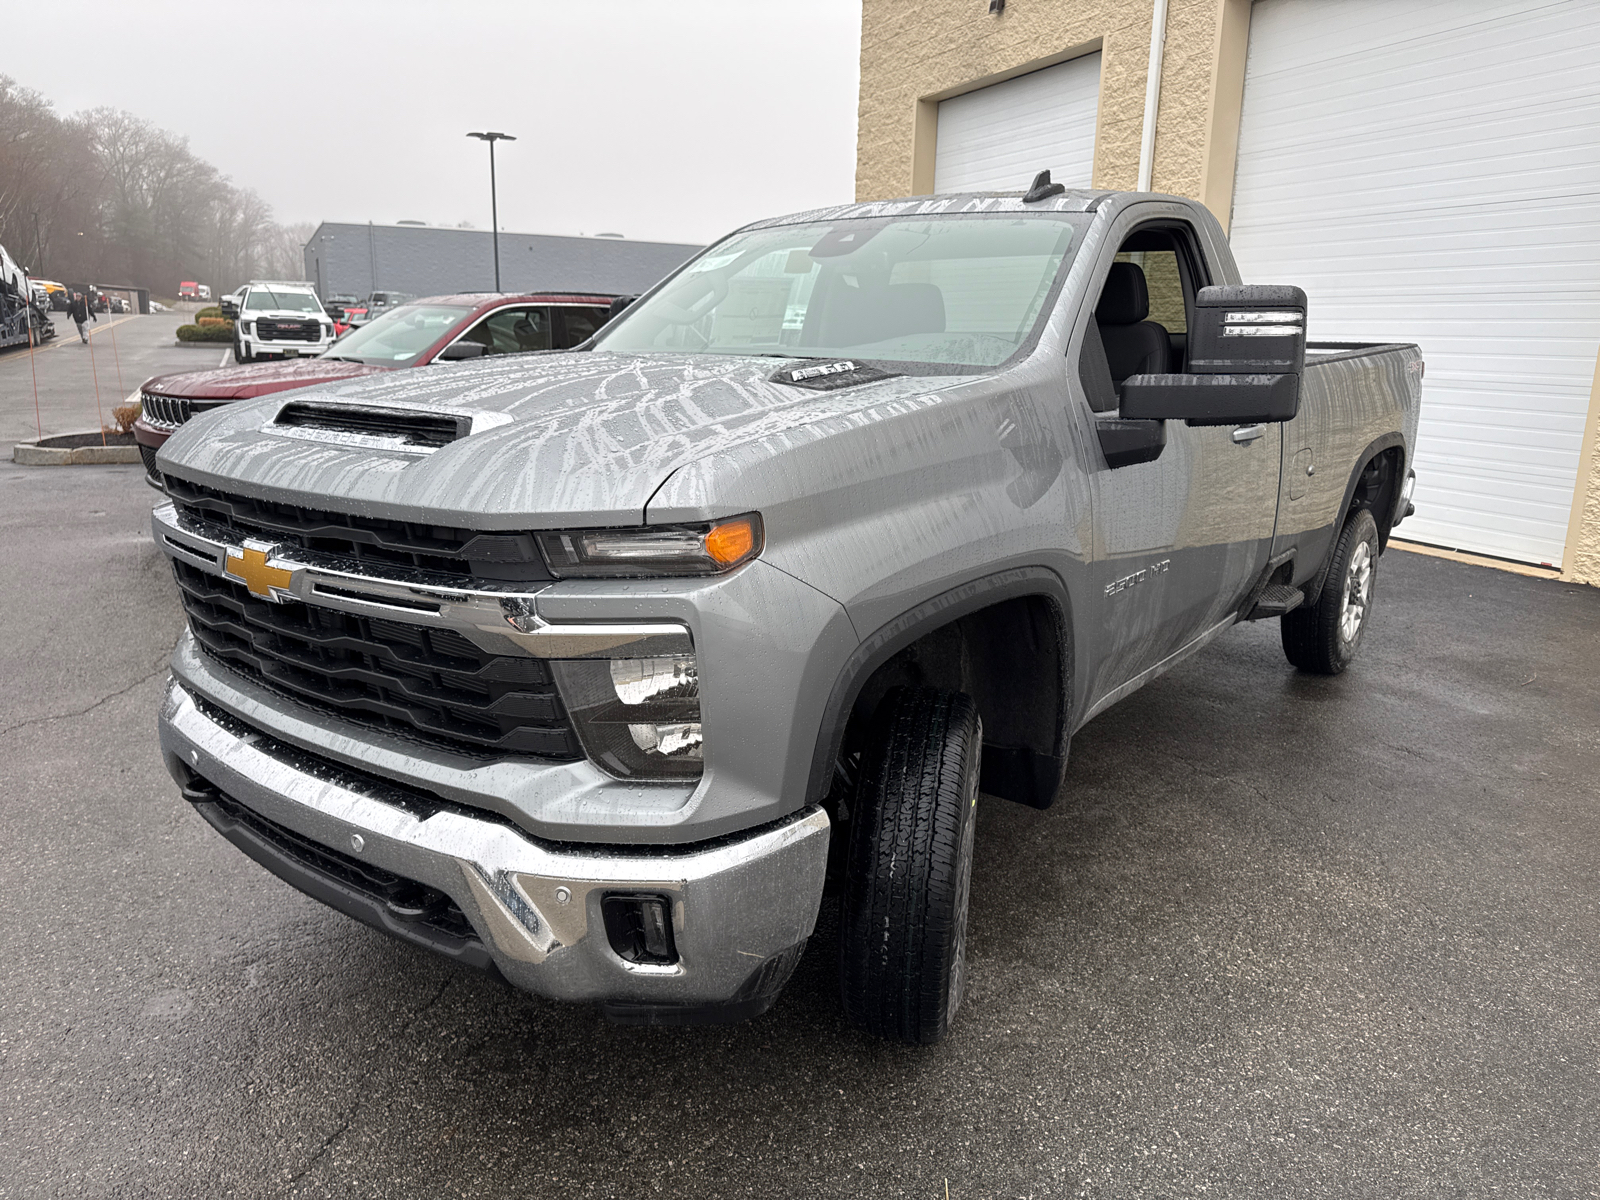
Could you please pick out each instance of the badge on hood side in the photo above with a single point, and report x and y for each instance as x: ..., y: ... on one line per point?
x: 830, y: 377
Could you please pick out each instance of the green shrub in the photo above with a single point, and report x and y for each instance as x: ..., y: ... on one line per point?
x: 213, y: 311
x: 205, y: 333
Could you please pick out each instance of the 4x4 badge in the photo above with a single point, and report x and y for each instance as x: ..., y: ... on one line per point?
x: 248, y: 564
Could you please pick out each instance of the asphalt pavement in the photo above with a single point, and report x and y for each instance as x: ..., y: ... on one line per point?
x: 1282, y: 937
x: 79, y: 384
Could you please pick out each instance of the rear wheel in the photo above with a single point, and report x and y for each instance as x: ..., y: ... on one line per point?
x: 909, y: 866
x: 1323, y: 638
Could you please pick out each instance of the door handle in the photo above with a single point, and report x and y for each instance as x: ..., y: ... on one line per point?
x: 1248, y: 433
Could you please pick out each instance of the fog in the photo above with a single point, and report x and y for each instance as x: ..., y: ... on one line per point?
x: 672, y: 121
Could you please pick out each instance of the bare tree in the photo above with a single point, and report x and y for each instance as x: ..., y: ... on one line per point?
x: 110, y: 197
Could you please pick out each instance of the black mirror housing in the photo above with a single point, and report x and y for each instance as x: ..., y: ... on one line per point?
x: 1211, y: 399
x: 1126, y: 443
x: 457, y: 351
x: 1246, y: 351
x: 1248, y: 329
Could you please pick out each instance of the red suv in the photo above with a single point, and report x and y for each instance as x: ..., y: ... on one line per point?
x: 434, y: 330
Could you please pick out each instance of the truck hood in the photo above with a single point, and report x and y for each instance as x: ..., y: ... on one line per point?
x: 572, y: 438
x: 259, y: 379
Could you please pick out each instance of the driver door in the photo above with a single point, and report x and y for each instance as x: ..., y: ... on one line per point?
x: 1179, y: 541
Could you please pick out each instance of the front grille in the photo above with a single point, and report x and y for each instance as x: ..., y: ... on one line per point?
x: 429, y: 685
x: 288, y: 331
x: 172, y: 411
x: 374, y: 541
x: 406, y: 899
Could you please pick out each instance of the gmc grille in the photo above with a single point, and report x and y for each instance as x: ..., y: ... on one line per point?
x: 429, y: 685
x: 288, y: 331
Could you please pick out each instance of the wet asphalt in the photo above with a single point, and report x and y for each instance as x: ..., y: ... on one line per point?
x: 1282, y: 936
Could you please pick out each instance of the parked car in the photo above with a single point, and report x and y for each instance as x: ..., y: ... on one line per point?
x: 229, y: 304
x: 437, y: 329
x: 280, y: 320
x: 55, y: 294
x: 598, y: 668
x: 379, y: 303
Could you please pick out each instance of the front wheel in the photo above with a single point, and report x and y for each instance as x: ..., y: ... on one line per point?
x: 239, y: 356
x: 1322, y: 638
x: 909, y: 866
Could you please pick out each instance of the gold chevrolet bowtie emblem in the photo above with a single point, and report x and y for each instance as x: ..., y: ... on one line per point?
x: 248, y: 564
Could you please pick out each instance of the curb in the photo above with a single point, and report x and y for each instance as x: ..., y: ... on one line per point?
x: 30, y: 454
x: 228, y: 345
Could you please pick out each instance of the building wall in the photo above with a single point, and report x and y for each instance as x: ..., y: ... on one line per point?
x: 1582, y: 559
x: 349, y: 259
x: 915, y: 53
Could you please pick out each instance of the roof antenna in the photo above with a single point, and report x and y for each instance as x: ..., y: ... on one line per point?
x: 1043, y: 189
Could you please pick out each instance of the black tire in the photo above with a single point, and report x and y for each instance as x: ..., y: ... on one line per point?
x: 239, y: 356
x: 908, y: 871
x: 1323, y: 638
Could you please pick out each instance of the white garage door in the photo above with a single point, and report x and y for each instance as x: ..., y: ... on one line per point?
x: 998, y: 138
x: 1429, y: 171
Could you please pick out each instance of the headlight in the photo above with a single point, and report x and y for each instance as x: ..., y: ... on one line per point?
x: 638, y: 718
x: 708, y: 549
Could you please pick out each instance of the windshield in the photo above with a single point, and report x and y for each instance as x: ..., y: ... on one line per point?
x: 261, y: 299
x: 949, y: 291
x: 399, y: 336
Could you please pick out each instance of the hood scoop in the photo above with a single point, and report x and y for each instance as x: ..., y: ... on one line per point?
x: 378, y: 427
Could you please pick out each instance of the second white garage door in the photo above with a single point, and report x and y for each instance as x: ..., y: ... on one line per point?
x: 998, y: 138
x: 1429, y: 170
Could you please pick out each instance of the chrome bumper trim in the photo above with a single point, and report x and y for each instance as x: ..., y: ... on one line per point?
x: 499, y: 622
x: 537, y: 907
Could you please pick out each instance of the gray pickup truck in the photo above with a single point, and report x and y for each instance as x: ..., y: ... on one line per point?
x: 600, y: 669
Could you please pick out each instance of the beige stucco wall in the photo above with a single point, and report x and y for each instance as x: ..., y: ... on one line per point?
x: 915, y: 53
x: 1582, y: 559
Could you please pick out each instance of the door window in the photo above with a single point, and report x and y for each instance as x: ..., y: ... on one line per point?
x: 578, y: 324
x: 512, y: 331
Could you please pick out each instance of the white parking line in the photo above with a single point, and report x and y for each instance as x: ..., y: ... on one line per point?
x: 226, y: 355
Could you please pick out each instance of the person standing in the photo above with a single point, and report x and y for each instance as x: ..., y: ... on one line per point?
x: 81, y: 315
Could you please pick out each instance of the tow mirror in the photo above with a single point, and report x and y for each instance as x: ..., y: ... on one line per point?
x: 1247, y: 350
x: 456, y: 351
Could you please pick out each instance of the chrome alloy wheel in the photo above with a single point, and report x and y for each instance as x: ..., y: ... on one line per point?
x: 1357, y: 592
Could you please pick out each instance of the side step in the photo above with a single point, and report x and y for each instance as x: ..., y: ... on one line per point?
x: 1274, y: 601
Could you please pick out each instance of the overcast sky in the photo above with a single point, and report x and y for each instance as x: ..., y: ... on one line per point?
x: 668, y: 120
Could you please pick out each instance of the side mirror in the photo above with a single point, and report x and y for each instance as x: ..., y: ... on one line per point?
x: 229, y: 308
x: 1247, y: 350
x: 457, y: 351
x: 617, y: 305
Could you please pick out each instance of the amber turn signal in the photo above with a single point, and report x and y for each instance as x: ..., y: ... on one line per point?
x: 731, y: 542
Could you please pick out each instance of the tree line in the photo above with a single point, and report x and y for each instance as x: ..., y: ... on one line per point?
x: 109, y: 198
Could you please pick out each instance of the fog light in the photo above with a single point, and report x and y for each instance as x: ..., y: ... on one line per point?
x: 641, y: 680
x: 638, y: 718
x: 639, y: 928
x: 670, y: 741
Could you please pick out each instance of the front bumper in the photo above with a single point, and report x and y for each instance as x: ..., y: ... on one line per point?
x: 260, y: 348
x: 741, y: 906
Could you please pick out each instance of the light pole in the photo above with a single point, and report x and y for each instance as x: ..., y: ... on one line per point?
x: 494, y: 205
